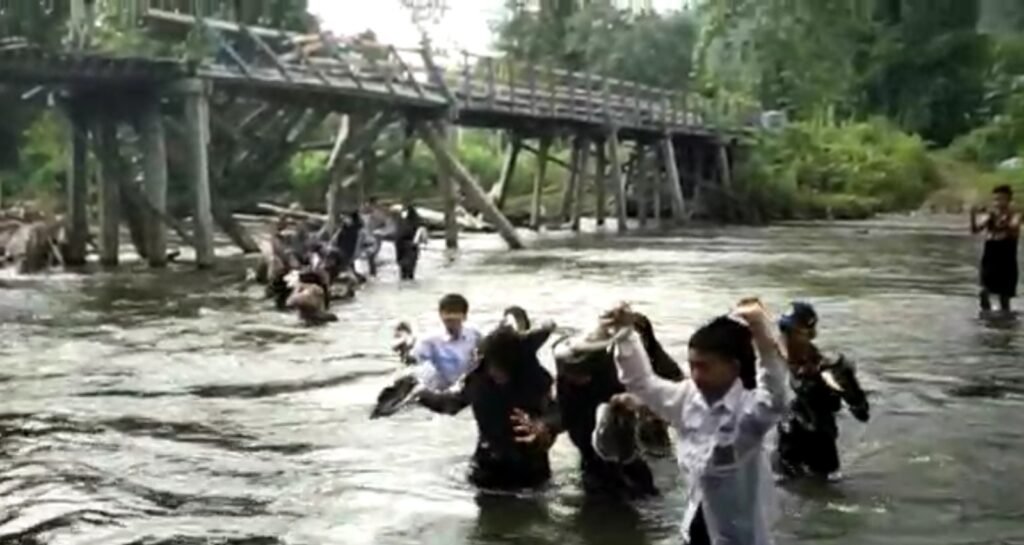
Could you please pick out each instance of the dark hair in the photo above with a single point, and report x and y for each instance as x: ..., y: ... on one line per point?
x: 453, y: 302
x: 403, y: 326
x: 506, y: 349
x: 372, y: 200
x: 1003, y: 189
x: 729, y: 339
x: 519, y: 315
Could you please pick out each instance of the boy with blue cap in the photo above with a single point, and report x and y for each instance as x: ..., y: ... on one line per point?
x: 807, y: 436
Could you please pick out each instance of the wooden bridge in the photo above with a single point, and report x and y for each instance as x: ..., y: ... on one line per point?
x: 253, y: 102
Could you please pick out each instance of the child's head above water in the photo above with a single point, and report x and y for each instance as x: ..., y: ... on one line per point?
x: 453, y: 309
x: 800, y: 322
x: 720, y: 352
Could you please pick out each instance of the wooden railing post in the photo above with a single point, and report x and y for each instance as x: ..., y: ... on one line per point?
x: 551, y: 90
x: 531, y: 75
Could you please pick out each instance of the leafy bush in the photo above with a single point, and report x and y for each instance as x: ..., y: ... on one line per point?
x: 846, y: 170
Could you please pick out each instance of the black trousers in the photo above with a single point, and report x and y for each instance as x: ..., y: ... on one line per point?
x: 699, y: 530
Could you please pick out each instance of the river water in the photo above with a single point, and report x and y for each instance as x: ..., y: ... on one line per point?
x: 177, y: 408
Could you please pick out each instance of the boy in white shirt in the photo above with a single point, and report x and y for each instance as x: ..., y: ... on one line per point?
x: 721, y: 416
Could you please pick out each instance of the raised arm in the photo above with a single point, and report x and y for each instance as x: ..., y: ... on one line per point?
x: 769, y: 400
x: 449, y: 402
x: 664, y: 397
x: 536, y: 337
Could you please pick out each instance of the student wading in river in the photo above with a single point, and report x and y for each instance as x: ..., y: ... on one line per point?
x: 1001, y: 226
x: 515, y: 412
x: 722, y: 416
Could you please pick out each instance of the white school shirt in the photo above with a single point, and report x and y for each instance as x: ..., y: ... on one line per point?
x: 445, y: 358
x: 720, y: 448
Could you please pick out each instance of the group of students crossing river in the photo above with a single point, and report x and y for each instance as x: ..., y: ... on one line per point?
x: 615, y: 392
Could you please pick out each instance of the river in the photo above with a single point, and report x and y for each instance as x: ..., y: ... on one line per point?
x: 177, y: 408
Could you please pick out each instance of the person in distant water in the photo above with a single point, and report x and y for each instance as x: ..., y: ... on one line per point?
x: 409, y: 237
x: 1001, y: 226
x: 807, y: 435
x: 378, y: 227
x: 515, y: 411
x: 722, y: 416
x: 446, y: 356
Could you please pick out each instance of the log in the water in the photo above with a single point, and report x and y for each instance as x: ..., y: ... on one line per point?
x: 433, y: 219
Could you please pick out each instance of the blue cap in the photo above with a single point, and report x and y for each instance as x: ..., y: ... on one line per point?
x: 800, y: 314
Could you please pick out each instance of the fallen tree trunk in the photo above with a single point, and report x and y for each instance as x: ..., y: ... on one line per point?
x: 432, y: 219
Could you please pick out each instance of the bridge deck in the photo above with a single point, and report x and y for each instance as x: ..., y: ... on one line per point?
x: 347, y: 74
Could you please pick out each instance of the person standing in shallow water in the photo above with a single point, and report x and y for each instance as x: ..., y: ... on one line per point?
x: 1001, y: 225
x: 447, y: 356
x: 409, y: 236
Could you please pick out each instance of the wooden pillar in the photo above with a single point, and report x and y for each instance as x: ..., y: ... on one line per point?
x: 640, y: 185
x: 583, y: 161
x: 569, y: 191
x: 335, y: 174
x: 675, y: 186
x: 618, y: 182
x: 433, y: 135
x: 449, y: 196
x: 154, y: 165
x: 197, y: 130
x: 107, y: 153
x: 499, y: 191
x: 600, y: 181
x: 539, y: 180
x: 697, y: 166
x: 724, y: 166
x: 77, y: 188
x: 656, y: 185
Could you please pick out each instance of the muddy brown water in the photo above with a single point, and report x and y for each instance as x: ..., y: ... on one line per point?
x: 176, y: 407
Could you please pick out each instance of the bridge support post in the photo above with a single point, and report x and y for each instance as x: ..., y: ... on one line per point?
x: 449, y: 195
x: 538, y: 181
x: 600, y: 181
x: 77, y: 188
x: 569, y: 191
x: 675, y: 186
x: 197, y: 125
x: 724, y: 166
x: 433, y: 136
x: 154, y: 165
x: 617, y: 180
x: 583, y: 164
x: 499, y: 191
x: 110, y: 192
x: 657, y: 181
x: 640, y: 185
